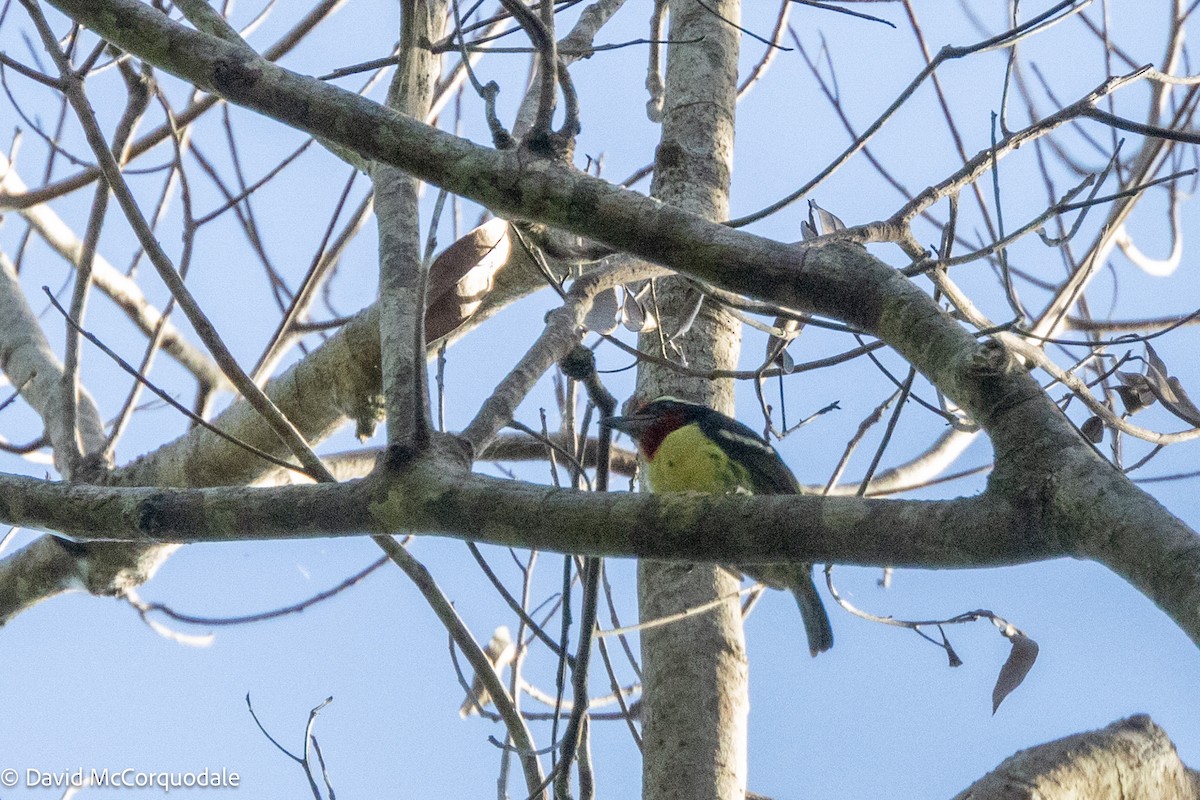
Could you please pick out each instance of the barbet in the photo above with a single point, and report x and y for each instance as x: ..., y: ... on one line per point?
x: 690, y: 447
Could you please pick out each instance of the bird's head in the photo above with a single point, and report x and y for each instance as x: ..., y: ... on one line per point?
x: 654, y: 421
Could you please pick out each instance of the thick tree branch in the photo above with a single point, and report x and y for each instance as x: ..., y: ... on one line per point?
x: 431, y: 498
x: 1129, y: 760
x: 32, y: 367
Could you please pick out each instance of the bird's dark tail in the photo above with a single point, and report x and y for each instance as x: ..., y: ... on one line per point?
x: 812, y: 611
x: 797, y: 579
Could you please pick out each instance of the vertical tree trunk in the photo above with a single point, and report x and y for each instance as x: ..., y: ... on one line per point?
x: 695, y: 671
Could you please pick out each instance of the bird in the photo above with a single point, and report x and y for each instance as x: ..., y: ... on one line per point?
x: 689, y: 447
x: 500, y: 651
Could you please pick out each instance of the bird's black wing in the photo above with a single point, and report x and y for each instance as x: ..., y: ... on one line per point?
x: 768, y: 473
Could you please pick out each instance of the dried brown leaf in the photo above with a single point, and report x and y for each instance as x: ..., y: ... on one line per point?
x: 1181, y: 405
x: 462, y: 276
x: 1168, y: 390
x: 633, y: 315
x: 823, y: 221
x: 1093, y: 430
x: 1135, y: 391
x: 1020, y: 660
x: 786, y: 362
x: 1156, y: 363
x: 605, y: 314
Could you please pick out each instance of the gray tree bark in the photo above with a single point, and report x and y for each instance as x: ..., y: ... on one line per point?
x: 696, y: 673
x: 1129, y: 760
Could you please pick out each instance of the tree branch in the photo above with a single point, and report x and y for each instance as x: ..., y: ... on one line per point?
x: 1131, y: 759
x: 435, y: 499
x: 403, y: 273
x: 35, y: 371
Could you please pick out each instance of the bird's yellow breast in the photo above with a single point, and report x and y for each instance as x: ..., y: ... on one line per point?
x: 688, y: 461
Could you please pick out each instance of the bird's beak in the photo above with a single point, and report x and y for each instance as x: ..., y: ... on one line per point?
x: 634, y: 425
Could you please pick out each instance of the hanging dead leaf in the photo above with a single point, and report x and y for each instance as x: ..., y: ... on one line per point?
x: 1093, y: 430
x: 633, y: 315
x: 1156, y: 365
x: 462, y: 275
x: 1168, y: 390
x: 1179, y: 404
x: 951, y: 655
x: 1134, y: 391
x: 825, y: 221
x: 695, y: 301
x: 1020, y: 660
x: 786, y: 363
x: 500, y: 651
x: 777, y: 345
x: 645, y: 300
x: 605, y: 314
